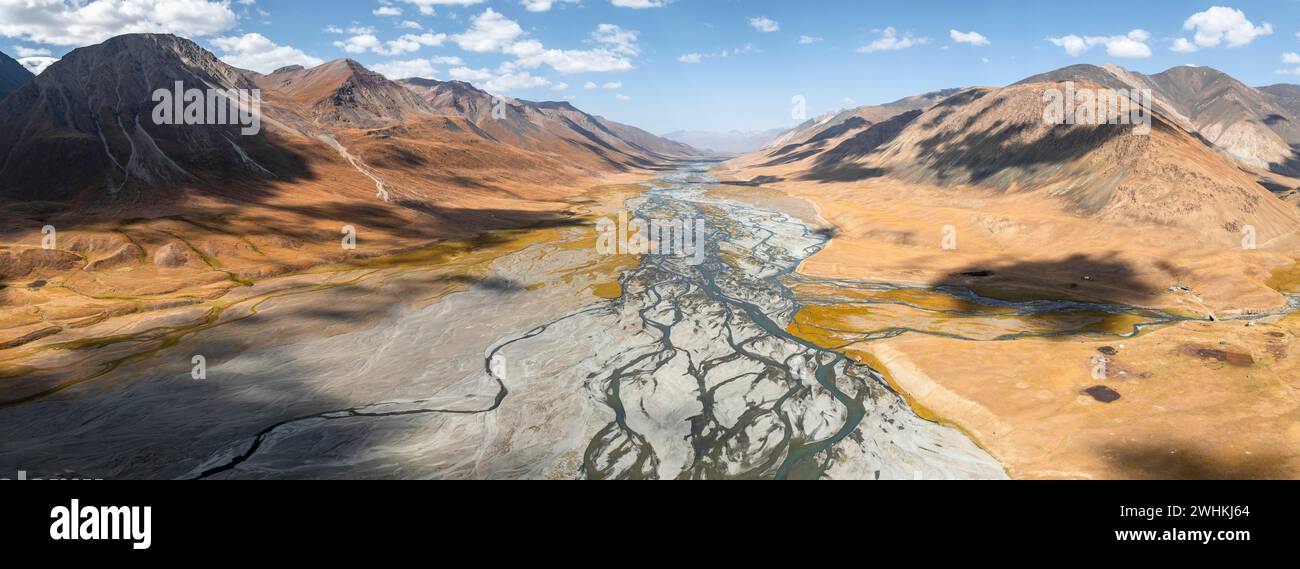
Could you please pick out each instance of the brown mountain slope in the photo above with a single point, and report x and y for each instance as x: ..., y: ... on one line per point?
x: 84, y: 128
x: 12, y: 75
x: 1247, y: 123
x: 997, y: 139
x: 344, y: 94
x: 815, y: 137
x: 557, y: 128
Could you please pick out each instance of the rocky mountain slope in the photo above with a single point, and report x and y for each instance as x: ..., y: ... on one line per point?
x: 84, y: 130
x: 556, y: 128
x: 12, y: 75
x: 834, y: 130
x: 997, y: 139
x: 1256, y: 127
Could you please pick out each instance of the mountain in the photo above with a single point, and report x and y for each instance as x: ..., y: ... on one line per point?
x: 1252, y: 125
x: 344, y: 94
x: 12, y: 75
x: 997, y: 139
x: 556, y: 128
x: 1286, y: 96
x: 731, y: 142
x: 84, y: 130
x: 85, y: 127
x: 848, y: 128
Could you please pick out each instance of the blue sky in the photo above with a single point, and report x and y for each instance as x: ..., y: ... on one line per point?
x: 696, y: 64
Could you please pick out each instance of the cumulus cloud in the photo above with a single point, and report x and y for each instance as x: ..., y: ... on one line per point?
x: 254, y: 51
x: 971, y: 37
x: 387, y: 11
x: 691, y: 58
x: 37, y: 63
x: 493, y: 32
x: 1220, y: 26
x: 78, y: 22
x: 807, y: 40
x: 490, y: 32
x: 24, y: 51
x: 617, y: 39
x: 426, y: 7
x: 422, y: 67
x: 406, y: 69
x: 1129, y: 46
x: 544, y: 5
x: 407, y: 43
x: 639, y: 4
x: 764, y: 24
x: 889, y: 40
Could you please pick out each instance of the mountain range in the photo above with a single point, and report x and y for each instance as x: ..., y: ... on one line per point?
x: 12, y: 75
x: 1216, y: 149
x: 82, y: 131
x: 727, y: 143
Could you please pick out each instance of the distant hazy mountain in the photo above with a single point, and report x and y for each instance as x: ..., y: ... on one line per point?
x: 732, y: 142
x: 12, y: 75
x: 1253, y: 125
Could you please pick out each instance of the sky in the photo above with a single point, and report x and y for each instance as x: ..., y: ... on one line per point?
x: 713, y: 65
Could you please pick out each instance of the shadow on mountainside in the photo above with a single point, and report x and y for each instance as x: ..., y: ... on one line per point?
x: 1098, y: 279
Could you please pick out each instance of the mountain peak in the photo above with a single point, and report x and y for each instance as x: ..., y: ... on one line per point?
x: 12, y: 75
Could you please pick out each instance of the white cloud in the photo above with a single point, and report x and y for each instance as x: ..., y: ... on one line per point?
x: 1291, y: 58
x: 387, y: 11
x: 889, y: 41
x: 24, y: 51
x: 426, y: 6
x: 971, y: 37
x: 806, y: 40
x: 1183, y: 45
x: 468, y: 74
x: 515, y: 81
x: 333, y: 29
x: 691, y: 58
x: 560, y: 87
x: 639, y: 4
x: 622, y: 97
x: 79, y: 22
x: 410, y: 25
x: 407, y: 43
x: 764, y: 24
x: 1220, y: 25
x: 617, y: 39
x: 544, y: 5
x: 37, y: 63
x: 612, y: 85
x: 493, y: 32
x: 490, y: 32
x: 395, y: 70
x: 256, y: 52
x: 1131, y: 46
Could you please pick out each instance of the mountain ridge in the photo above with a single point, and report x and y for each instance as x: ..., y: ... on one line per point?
x: 12, y: 75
